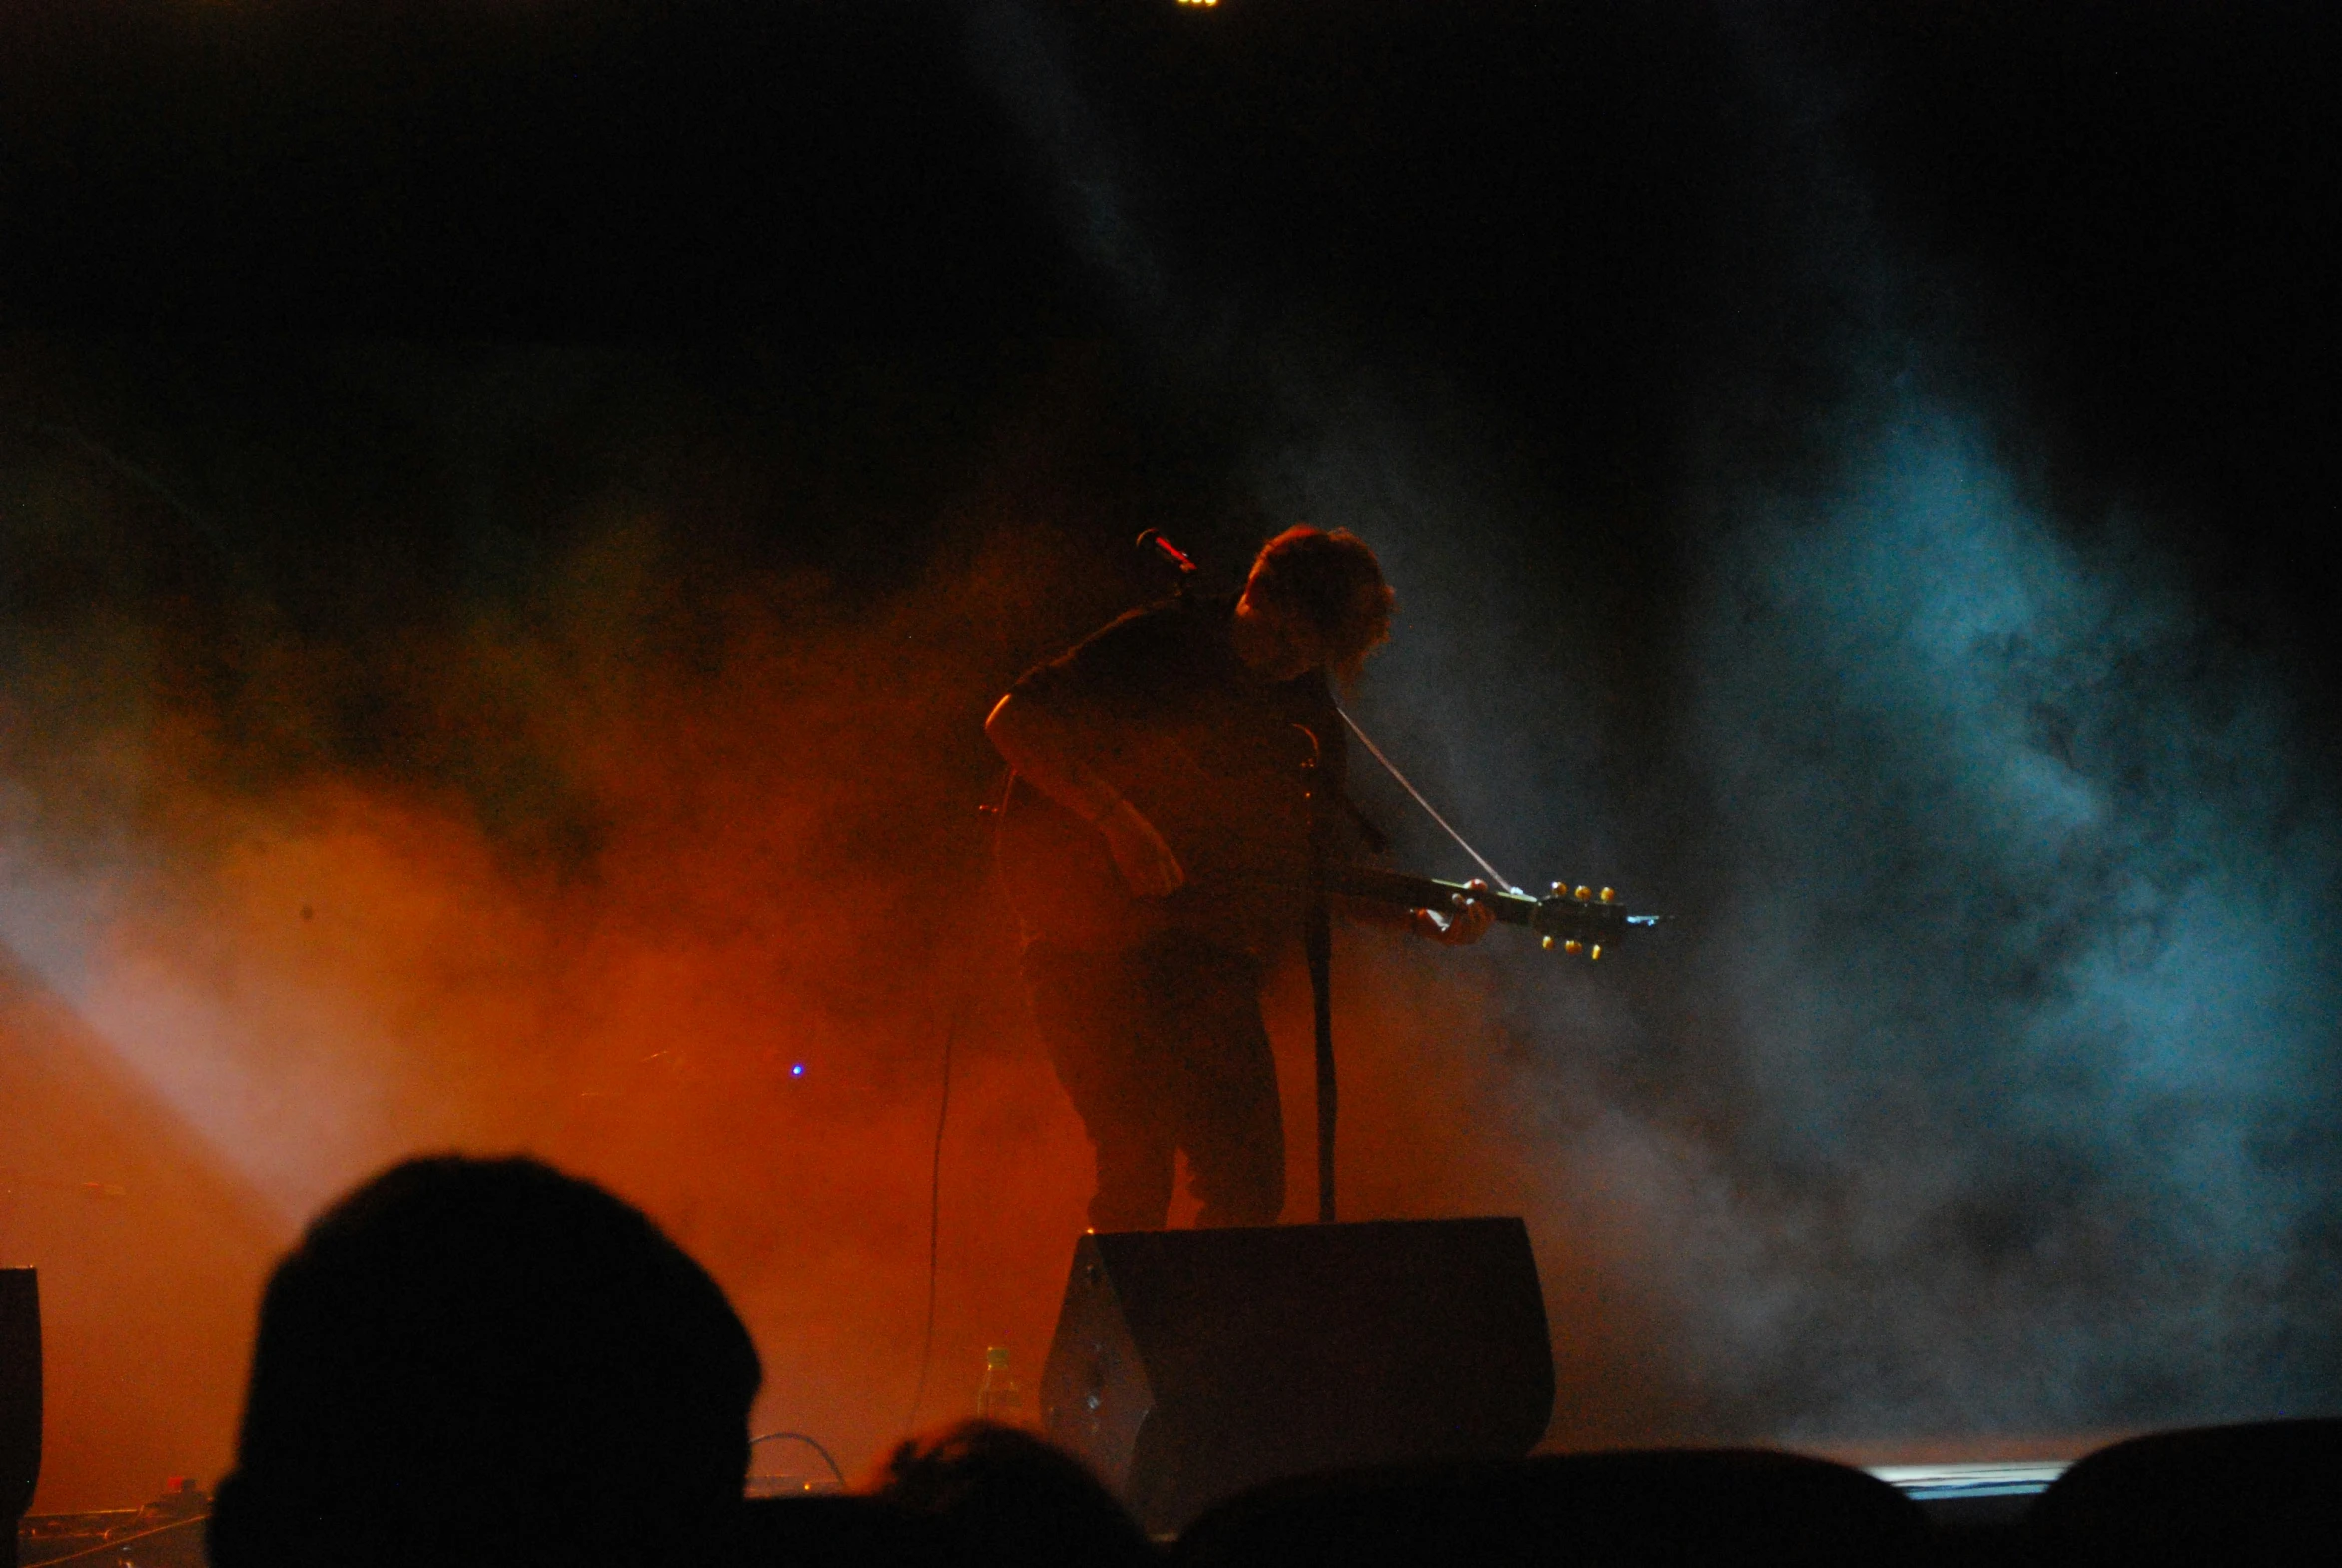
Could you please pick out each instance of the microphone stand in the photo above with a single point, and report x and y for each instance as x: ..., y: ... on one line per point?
x: 1317, y: 915
x: 1317, y: 948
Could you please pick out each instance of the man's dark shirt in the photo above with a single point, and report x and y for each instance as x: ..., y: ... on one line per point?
x: 1168, y: 713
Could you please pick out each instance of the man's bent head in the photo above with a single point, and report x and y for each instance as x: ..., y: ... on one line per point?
x: 1331, y: 584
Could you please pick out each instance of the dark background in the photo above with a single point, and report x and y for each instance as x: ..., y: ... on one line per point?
x: 1556, y: 211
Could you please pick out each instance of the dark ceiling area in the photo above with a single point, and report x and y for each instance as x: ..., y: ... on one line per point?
x: 1553, y: 210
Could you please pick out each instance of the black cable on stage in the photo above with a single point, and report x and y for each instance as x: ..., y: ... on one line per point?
x: 935, y: 1164
x: 934, y: 1175
x: 942, y: 1115
x: 812, y: 1444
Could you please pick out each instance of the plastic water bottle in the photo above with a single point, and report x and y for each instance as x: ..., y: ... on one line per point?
x: 1000, y: 1398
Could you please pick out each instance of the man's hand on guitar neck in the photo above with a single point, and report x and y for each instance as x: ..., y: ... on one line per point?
x: 1462, y: 926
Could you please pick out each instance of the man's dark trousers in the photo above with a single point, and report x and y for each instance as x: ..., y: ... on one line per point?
x: 1162, y: 1048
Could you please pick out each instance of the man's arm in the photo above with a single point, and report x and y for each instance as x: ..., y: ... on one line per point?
x: 1047, y: 754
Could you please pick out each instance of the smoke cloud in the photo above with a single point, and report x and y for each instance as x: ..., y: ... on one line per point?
x: 1986, y: 1089
x: 653, y: 859
x: 2034, y: 1033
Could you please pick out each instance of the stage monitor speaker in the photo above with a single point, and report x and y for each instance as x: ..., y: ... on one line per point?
x: 1191, y: 1364
x: 19, y: 1398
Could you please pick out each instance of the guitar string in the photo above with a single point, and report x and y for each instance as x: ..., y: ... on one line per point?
x: 1502, y: 881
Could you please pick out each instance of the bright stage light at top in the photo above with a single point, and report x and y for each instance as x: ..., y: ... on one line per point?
x: 1201, y: 4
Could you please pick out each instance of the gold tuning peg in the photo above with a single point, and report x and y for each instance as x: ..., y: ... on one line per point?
x: 1608, y: 894
x: 1547, y: 944
x: 1560, y: 888
x: 1593, y: 953
x: 1582, y: 893
x: 1572, y: 945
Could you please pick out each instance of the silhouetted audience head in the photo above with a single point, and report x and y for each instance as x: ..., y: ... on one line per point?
x: 484, y: 1361
x: 1001, y: 1498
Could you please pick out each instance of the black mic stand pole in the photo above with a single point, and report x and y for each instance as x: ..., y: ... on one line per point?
x: 1318, y: 947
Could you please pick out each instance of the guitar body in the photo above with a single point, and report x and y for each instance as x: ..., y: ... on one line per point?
x: 1238, y: 822
x: 1238, y: 819
x: 1061, y: 878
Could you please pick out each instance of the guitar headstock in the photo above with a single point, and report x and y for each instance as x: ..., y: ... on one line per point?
x: 1582, y: 920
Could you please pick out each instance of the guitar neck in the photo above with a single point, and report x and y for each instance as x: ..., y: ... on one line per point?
x: 1411, y: 892
x: 1564, y: 918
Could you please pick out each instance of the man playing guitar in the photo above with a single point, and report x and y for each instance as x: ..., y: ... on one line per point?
x: 1156, y: 843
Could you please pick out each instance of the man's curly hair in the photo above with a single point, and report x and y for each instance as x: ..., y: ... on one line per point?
x: 1333, y: 582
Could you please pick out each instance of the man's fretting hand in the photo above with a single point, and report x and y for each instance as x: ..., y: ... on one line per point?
x: 1464, y: 924
x: 1145, y: 860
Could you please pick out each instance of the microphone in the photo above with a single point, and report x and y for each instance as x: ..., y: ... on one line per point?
x: 1154, y: 540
